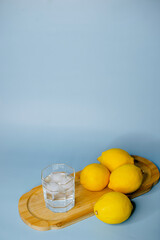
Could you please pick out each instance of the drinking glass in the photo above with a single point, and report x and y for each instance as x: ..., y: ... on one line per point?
x: 58, y: 181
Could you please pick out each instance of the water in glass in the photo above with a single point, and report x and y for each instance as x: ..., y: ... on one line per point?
x: 59, y: 191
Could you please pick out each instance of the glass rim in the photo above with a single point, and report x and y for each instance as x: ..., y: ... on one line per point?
x: 60, y: 164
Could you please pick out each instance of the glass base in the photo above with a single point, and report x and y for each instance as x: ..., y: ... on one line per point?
x: 61, y: 209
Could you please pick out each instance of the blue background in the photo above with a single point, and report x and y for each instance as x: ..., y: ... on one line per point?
x: 77, y: 77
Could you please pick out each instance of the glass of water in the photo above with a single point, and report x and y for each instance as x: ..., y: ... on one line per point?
x: 58, y: 181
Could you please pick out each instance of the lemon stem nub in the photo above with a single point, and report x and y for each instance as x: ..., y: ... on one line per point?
x: 96, y: 212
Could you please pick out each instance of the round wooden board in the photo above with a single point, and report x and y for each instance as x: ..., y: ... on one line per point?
x: 34, y: 213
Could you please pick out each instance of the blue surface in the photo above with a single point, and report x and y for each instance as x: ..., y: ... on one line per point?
x: 76, y: 78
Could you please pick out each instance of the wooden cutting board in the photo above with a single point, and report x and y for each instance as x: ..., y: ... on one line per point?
x: 34, y: 213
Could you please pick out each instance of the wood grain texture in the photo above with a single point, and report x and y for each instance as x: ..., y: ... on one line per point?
x: 34, y: 213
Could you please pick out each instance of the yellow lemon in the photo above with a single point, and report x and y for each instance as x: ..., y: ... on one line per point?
x: 126, y: 179
x: 114, y: 158
x: 94, y: 177
x: 113, y: 208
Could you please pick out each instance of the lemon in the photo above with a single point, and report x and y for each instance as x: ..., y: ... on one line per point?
x: 94, y: 177
x: 115, y: 157
x: 126, y: 179
x: 113, y: 208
